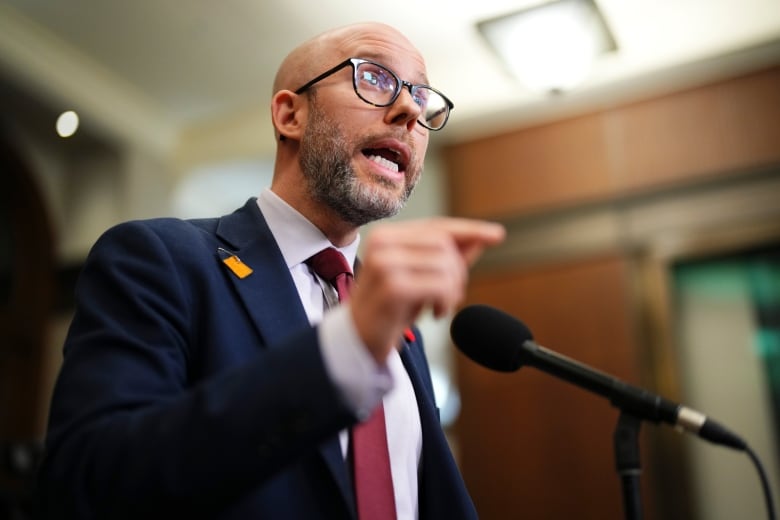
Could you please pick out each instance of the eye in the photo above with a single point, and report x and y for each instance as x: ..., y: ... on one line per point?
x: 375, y: 77
x: 421, y: 96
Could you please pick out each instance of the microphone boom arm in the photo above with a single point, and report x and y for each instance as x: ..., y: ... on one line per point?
x: 628, y: 398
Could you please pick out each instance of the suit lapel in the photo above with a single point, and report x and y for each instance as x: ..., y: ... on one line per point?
x: 429, y: 415
x: 442, y: 493
x: 271, y: 299
x: 268, y: 293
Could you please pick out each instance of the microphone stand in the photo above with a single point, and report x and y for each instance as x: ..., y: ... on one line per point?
x: 626, y: 445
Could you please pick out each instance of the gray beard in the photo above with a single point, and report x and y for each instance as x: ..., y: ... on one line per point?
x: 326, y: 165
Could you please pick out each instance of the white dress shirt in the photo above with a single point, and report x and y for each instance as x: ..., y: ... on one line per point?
x: 362, y: 382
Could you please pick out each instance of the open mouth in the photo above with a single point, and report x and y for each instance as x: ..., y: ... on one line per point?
x: 389, y: 158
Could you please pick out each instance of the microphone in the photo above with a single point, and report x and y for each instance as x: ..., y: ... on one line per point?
x: 501, y: 342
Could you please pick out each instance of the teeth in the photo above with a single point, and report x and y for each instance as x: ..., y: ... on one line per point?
x: 390, y: 165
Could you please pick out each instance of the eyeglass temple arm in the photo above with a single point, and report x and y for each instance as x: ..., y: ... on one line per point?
x: 324, y: 75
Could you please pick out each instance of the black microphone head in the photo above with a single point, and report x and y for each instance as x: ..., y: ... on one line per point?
x: 490, y: 337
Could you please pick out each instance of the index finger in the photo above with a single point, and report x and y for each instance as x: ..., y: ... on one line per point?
x: 471, y: 236
x: 471, y: 230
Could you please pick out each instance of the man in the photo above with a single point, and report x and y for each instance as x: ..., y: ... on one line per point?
x: 203, y: 377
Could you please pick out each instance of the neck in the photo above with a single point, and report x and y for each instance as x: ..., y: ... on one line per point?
x: 337, y: 231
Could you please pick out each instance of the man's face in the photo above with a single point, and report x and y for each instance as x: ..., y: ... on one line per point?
x: 359, y: 193
x: 360, y: 160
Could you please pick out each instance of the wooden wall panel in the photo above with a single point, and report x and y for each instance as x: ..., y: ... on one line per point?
x: 722, y: 129
x: 667, y: 139
x: 750, y: 115
x: 532, y: 446
x: 531, y: 169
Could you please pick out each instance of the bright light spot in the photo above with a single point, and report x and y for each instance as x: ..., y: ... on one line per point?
x: 67, y: 123
x: 446, y: 395
x: 552, y: 50
x: 551, y: 47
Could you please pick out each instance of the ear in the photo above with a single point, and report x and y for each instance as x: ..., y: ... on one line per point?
x: 286, y: 112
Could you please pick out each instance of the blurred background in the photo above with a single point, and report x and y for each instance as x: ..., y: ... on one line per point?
x: 638, y: 174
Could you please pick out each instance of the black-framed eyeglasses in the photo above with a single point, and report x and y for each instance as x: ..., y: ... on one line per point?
x: 379, y: 86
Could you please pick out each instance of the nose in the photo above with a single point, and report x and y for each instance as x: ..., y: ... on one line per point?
x: 404, y: 109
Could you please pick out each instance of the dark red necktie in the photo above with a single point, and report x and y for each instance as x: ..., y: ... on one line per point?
x: 331, y: 266
x: 370, y: 455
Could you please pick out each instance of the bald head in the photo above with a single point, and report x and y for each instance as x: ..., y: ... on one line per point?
x: 329, y: 48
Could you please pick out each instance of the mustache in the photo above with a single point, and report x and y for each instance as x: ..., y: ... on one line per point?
x: 401, y: 136
x: 367, y: 142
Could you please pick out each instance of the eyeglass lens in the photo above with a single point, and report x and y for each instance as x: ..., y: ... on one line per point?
x: 377, y: 85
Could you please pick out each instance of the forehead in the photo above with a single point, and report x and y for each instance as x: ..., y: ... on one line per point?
x: 388, y: 48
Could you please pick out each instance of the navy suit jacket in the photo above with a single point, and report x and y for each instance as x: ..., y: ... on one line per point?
x: 186, y: 390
